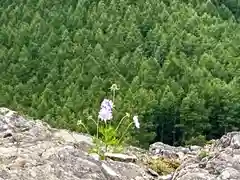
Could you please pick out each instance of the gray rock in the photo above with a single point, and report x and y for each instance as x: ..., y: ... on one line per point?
x: 195, y: 148
x: 229, y: 173
x: 235, y: 142
x: 121, y: 157
x: 32, y: 150
x: 154, y: 173
x: 222, y: 162
x: 167, y: 151
x: 95, y: 156
x: 166, y: 177
x: 196, y: 176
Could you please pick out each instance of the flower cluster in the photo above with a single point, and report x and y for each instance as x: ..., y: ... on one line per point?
x: 105, y: 112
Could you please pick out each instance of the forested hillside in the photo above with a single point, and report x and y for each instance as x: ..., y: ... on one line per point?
x: 177, y: 63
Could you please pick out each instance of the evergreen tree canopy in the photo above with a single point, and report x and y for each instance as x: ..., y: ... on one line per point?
x: 177, y: 63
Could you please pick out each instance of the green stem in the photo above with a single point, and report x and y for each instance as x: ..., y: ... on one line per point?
x: 120, y: 123
x: 97, y: 128
x: 113, y: 102
x: 98, y: 148
x: 125, y: 131
x: 105, y: 137
x: 85, y: 128
x: 96, y: 123
x: 113, y: 96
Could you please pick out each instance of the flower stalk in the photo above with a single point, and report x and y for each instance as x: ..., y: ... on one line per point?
x: 106, y: 133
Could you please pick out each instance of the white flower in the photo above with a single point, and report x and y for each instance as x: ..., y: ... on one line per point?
x: 106, y: 103
x: 105, y: 114
x: 136, y: 122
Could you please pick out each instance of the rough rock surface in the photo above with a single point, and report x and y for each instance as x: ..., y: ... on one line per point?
x: 220, y: 162
x: 31, y: 150
x: 181, y: 153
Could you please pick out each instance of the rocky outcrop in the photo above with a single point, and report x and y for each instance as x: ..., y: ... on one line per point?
x: 171, y: 152
x: 219, y: 162
x: 31, y: 150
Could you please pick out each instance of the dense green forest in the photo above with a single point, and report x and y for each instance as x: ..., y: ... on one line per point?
x: 177, y: 63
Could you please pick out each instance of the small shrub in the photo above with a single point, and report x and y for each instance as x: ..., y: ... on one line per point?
x: 210, y: 142
x: 163, y: 166
x: 203, y: 154
x: 198, y: 140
